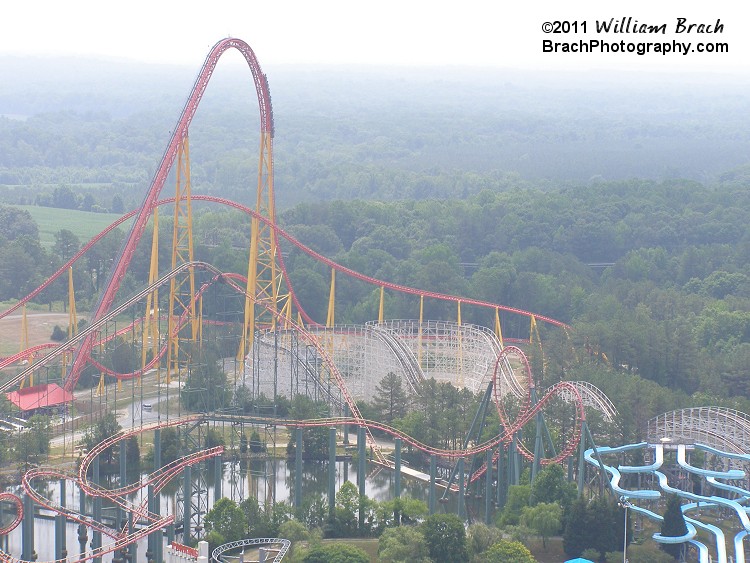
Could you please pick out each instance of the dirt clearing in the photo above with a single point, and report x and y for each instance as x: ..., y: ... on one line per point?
x: 39, y: 328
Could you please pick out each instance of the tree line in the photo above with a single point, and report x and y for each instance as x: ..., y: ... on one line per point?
x: 653, y: 278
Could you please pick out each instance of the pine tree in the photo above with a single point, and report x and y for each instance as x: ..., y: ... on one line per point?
x: 576, y: 536
x: 604, y: 523
x: 673, y: 525
x: 390, y: 399
x: 594, y: 524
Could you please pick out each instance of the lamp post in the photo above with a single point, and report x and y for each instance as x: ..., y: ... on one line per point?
x: 625, y: 504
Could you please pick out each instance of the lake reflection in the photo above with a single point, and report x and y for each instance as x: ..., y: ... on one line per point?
x: 267, y: 480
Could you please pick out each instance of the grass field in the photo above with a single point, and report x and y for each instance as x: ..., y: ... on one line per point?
x: 83, y: 224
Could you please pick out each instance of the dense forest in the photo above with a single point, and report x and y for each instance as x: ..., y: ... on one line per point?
x: 612, y: 207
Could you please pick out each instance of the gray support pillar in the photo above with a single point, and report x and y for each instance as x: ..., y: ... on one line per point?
x: 187, y: 495
x: 158, y: 543
x: 515, y: 461
x: 433, y: 494
x: 59, y: 535
x: 331, y: 471
x: 461, y: 489
x: 133, y: 547
x: 61, y: 543
x: 362, y: 472
x: 603, y: 475
x: 570, y: 469
x: 581, y: 463
x: 152, y: 536
x: 119, y: 512
x: 155, y: 539
x: 347, y: 414
x: 361, y: 459
x: 537, y: 447
x: 398, y: 468
x: 397, y: 483
x: 488, y: 486
x: 479, y: 486
x: 218, y: 477
x: 27, y: 529
x: 96, y: 536
x: 501, y: 484
x: 298, y: 470
x: 170, y: 533
x: 83, y: 535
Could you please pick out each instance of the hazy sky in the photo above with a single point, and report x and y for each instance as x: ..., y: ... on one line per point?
x: 404, y: 32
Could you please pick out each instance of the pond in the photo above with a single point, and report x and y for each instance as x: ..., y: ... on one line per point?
x: 268, y: 480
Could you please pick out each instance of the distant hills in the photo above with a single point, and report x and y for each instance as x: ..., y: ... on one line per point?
x: 379, y: 133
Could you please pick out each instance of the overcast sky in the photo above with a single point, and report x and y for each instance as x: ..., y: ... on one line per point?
x: 390, y: 32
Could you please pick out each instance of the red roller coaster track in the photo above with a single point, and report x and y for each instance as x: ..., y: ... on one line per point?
x: 141, y: 216
x: 104, y: 310
x: 147, y: 207
x: 4, y: 362
x: 158, y: 479
x: 125, y: 536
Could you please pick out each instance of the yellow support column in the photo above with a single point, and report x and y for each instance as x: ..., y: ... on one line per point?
x: 419, y: 336
x: 287, y: 314
x: 460, y: 382
x: 72, y: 316
x: 24, y: 330
x: 182, y: 290
x: 200, y: 320
x: 330, y: 320
x: 536, y: 351
x: 151, y: 318
x: 101, y: 386
x: 264, y: 280
x: 381, y: 307
x: 498, y: 328
x: 25, y: 345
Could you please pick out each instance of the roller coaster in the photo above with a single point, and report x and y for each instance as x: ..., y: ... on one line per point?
x: 277, y: 349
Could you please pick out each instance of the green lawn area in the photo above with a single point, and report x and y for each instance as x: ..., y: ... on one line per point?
x: 368, y: 545
x: 85, y: 225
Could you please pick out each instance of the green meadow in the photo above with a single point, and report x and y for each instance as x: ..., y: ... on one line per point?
x: 84, y: 224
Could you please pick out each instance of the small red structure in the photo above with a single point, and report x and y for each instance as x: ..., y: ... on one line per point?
x: 40, y: 396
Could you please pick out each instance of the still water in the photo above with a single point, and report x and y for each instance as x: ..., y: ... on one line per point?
x: 267, y: 480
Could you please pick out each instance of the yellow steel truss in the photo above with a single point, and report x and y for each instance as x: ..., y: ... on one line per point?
x: 25, y: 346
x: 182, y: 290
x: 150, y: 327
x: 264, y: 279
